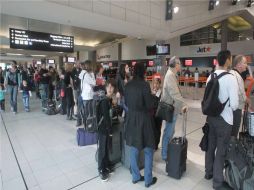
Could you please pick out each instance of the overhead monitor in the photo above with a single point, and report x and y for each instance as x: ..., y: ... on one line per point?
x: 71, y: 59
x: 38, y: 62
x: 150, y: 50
x: 50, y: 61
x: 163, y: 49
x: 31, y: 40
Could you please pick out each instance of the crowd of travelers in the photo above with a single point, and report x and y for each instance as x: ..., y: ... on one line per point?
x: 74, y: 86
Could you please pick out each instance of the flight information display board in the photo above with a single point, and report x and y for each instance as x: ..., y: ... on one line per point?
x: 25, y: 39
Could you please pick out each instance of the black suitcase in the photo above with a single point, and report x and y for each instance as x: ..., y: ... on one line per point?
x: 177, y: 154
x: 116, y: 151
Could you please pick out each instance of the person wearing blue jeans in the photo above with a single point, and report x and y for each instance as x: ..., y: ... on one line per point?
x: 26, y: 93
x: 171, y: 94
x: 168, y: 134
x: 134, y: 158
x: 26, y: 102
x: 44, y: 88
x: 13, y: 90
x: 139, y: 127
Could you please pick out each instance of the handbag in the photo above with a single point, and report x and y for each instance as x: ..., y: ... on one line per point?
x: 165, y: 111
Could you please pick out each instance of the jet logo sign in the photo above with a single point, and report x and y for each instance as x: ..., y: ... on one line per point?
x: 204, y: 50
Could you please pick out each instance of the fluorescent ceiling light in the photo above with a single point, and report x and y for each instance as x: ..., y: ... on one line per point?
x: 38, y: 55
x: 176, y: 9
x: 217, y: 3
x: 247, y: 38
x: 14, y: 54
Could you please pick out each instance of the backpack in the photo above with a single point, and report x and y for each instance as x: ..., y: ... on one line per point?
x: 94, y: 118
x: 239, y: 170
x: 51, y: 108
x: 211, y: 104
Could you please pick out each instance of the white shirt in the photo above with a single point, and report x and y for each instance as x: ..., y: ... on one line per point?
x: 228, y: 89
x: 241, y: 91
x: 87, y: 85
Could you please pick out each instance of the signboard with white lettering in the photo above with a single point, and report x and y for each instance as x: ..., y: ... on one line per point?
x: 25, y: 39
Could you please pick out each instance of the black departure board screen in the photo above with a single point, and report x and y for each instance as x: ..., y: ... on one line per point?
x: 25, y: 39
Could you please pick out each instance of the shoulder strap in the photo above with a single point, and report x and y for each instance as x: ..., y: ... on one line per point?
x: 221, y: 75
x: 82, y: 82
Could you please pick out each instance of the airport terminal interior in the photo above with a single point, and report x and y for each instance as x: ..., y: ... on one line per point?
x: 46, y: 142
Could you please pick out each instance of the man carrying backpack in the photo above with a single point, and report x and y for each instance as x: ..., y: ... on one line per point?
x: 219, y: 102
x: 12, y: 82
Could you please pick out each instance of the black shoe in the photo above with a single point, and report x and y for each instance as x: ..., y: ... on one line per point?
x: 78, y: 124
x: 141, y: 179
x: 152, y: 183
x: 208, y: 176
x: 110, y: 170
x: 224, y: 186
x: 104, y: 176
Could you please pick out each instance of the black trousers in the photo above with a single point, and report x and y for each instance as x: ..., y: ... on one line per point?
x: 237, y: 122
x: 218, y: 139
x: 69, y: 102
x: 103, y: 150
x: 2, y: 104
x: 157, y: 132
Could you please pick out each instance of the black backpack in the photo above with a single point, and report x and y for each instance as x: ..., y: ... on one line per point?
x: 211, y: 104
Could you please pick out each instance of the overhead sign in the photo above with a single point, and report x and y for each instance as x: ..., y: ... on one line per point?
x: 207, y: 50
x: 25, y: 39
x: 109, y: 53
x: 188, y: 62
x: 100, y: 57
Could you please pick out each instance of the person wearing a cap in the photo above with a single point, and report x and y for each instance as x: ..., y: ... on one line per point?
x: 171, y: 94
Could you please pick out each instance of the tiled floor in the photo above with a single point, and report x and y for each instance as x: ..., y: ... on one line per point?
x: 49, y: 157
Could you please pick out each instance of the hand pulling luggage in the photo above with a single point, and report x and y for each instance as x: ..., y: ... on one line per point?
x: 85, y: 138
x: 177, y: 154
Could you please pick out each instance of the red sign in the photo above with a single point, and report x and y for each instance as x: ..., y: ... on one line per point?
x: 215, y: 62
x: 110, y: 64
x: 150, y: 63
x: 133, y: 63
x: 188, y: 62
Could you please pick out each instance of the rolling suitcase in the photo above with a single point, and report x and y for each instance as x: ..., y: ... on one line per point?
x: 85, y: 138
x: 115, y: 152
x: 177, y: 154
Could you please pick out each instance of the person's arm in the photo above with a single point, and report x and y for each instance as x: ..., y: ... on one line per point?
x: 233, y: 93
x: 174, y: 92
x: 105, y: 108
x: 90, y: 79
x: 6, y: 79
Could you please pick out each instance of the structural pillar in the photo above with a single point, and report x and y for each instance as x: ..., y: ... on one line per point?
x: 224, y: 35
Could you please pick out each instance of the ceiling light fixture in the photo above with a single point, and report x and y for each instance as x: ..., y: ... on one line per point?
x: 14, y: 54
x: 217, y: 3
x: 38, y: 55
x: 176, y: 10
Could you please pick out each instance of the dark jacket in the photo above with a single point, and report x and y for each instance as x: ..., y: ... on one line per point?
x: 105, y: 107
x: 75, y: 76
x: 120, y: 85
x: 44, y: 79
x: 139, y: 129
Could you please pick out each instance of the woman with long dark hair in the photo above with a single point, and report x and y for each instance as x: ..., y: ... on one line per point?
x: 69, y: 91
x: 139, y: 128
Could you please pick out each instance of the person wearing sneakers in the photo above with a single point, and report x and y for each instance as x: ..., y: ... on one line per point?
x: 139, y: 130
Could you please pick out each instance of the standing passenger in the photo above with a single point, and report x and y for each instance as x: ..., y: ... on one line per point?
x: 139, y: 129
x: 171, y: 94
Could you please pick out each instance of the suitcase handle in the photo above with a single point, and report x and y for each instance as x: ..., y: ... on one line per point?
x: 184, y: 126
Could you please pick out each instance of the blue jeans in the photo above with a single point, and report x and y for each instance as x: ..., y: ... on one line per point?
x: 167, y: 137
x: 26, y: 102
x: 13, y: 90
x: 44, y: 90
x: 134, y: 157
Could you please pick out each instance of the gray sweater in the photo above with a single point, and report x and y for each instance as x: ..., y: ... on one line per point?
x: 171, y: 93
